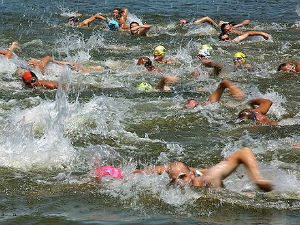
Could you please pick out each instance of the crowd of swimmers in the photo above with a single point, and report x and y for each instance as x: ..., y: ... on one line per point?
x: 177, y: 171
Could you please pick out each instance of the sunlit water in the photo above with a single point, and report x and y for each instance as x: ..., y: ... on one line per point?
x: 51, y: 140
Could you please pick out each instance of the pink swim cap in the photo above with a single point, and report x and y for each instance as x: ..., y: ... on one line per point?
x: 108, y: 171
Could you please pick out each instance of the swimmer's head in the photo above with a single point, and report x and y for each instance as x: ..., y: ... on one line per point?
x: 191, y: 103
x: 180, y: 173
x: 29, y: 78
x: 133, y: 25
x: 204, y: 53
x: 108, y: 171
x: 245, y: 114
x: 116, y: 13
x: 142, y: 60
x: 224, y: 37
x: 286, y: 67
x: 206, y: 46
x: 226, y: 27
x: 159, y: 50
x: 144, y: 86
x: 113, y: 25
x: 183, y: 21
x: 239, y: 57
x: 73, y: 21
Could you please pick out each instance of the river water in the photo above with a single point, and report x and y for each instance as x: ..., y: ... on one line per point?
x: 51, y: 140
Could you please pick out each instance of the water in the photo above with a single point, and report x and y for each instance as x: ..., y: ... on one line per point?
x: 50, y: 141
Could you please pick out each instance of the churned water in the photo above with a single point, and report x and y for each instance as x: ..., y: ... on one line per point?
x: 50, y: 141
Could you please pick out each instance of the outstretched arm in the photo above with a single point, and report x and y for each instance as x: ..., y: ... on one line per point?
x: 261, y: 105
x: 251, y: 33
x: 234, y: 91
x: 157, y: 169
x: 206, y: 19
x: 243, y: 23
x: 8, y: 54
x: 87, y: 22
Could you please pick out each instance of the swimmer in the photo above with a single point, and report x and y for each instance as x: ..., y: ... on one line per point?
x: 239, y: 61
x: 212, y: 177
x: 233, y: 90
x: 225, y: 37
x: 31, y: 81
x: 159, y: 55
x: 136, y: 29
x: 120, y: 15
x: 9, y: 53
x: 148, y: 64
x: 41, y: 64
x: 287, y: 67
x: 260, y: 107
x: 74, y: 21
x: 204, y: 57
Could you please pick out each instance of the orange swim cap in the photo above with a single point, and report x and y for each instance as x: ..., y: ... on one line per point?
x: 28, y: 77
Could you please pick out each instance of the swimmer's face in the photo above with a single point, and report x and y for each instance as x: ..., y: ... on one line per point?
x: 227, y: 27
x: 183, y: 21
x: 134, y: 31
x: 115, y: 14
x: 180, y: 173
x: 142, y: 60
x: 245, y: 114
x: 238, y: 61
x: 225, y: 37
x: 191, y: 103
x: 289, y: 68
x: 158, y: 57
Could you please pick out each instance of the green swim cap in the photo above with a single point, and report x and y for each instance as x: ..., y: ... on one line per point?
x: 160, y: 50
x: 206, y: 47
x: 144, y: 86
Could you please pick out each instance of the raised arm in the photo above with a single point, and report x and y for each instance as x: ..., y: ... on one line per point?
x: 261, y: 105
x: 206, y: 19
x: 210, y: 64
x: 87, y: 22
x: 298, y: 66
x: 43, y: 63
x: 162, y: 84
x: 234, y: 91
x: 142, y: 29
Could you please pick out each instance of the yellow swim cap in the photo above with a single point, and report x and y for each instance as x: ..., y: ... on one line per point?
x: 159, y: 50
x: 144, y: 86
x: 240, y: 55
x: 206, y: 47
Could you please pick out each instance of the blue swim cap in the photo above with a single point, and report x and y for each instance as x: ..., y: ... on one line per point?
x: 113, y: 25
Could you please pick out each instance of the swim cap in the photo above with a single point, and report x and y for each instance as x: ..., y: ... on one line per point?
x: 159, y: 50
x: 205, y: 53
x: 113, y: 25
x: 240, y: 55
x: 108, y: 171
x: 144, y: 86
x: 206, y: 47
x: 29, y: 77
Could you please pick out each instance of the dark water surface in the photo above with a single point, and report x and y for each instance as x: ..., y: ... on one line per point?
x: 50, y: 141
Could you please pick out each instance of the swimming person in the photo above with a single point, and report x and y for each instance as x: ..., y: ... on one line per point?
x: 31, y: 81
x: 137, y: 29
x: 162, y: 85
x: 260, y: 107
x: 212, y: 177
x: 287, y: 67
x: 204, y: 56
x: 234, y: 91
x: 147, y: 63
